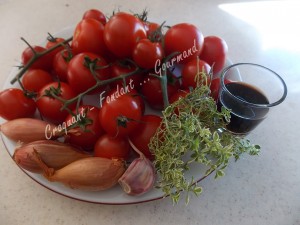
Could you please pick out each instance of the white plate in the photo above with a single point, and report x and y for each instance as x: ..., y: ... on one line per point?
x: 112, y: 196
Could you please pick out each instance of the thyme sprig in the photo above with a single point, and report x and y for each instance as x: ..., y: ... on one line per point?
x: 192, y: 131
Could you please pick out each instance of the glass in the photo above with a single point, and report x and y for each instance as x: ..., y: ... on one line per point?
x: 249, y: 95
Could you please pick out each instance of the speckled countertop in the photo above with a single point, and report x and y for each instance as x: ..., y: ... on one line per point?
x: 263, y: 190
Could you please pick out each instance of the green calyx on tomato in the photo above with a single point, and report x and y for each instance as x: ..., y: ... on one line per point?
x: 124, y: 67
x: 67, y: 55
x: 122, y: 121
x: 93, y: 65
x: 154, y: 31
x: 85, y: 71
x: 142, y: 16
x: 83, y: 121
x: 122, y: 32
x: 53, y: 92
x: 90, y: 63
x: 51, y: 100
x: 84, y: 127
x: 119, y: 117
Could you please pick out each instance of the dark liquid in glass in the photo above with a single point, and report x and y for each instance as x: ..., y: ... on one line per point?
x: 244, y: 118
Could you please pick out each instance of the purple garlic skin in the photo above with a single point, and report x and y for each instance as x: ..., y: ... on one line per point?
x: 139, y: 177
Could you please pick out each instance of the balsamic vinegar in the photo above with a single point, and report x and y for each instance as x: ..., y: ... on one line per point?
x: 244, y: 117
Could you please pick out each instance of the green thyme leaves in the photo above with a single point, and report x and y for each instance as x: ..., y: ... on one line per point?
x: 192, y: 131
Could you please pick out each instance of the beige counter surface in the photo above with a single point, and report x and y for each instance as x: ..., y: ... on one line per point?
x: 262, y: 190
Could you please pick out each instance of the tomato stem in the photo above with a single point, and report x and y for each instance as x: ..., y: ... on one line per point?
x: 157, y: 35
x: 28, y: 94
x: 51, y: 38
x: 163, y: 82
x: 164, y: 87
x: 98, y: 84
x: 143, y: 16
x: 53, y: 95
x: 29, y: 45
x: 36, y: 56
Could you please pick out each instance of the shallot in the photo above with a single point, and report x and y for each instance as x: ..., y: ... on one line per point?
x: 53, y: 153
x: 90, y: 174
x: 28, y: 130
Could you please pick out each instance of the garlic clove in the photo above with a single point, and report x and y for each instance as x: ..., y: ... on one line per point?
x: 140, y: 176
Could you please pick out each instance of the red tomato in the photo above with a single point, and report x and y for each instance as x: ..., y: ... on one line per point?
x: 80, y: 76
x: 44, y: 62
x: 215, y: 87
x: 95, y: 14
x: 146, y: 53
x: 60, y: 64
x: 152, y: 91
x: 214, y: 52
x: 119, y: 114
x: 131, y: 92
x: 49, y: 107
x: 14, y: 104
x: 88, y: 37
x: 144, y: 132
x: 137, y: 96
x: 179, y: 94
x: 151, y: 27
x: 122, y: 32
x: 85, y: 123
x: 118, y: 69
x: 52, y: 42
x: 112, y: 147
x: 186, y: 39
x: 190, y: 70
x: 34, y: 79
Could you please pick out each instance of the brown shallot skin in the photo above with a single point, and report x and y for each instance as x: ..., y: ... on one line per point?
x: 27, y: 130
x: 89, y: 174
x: 53, y: 153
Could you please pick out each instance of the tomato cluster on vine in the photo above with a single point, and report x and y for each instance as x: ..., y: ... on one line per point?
x: 114, y: 61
